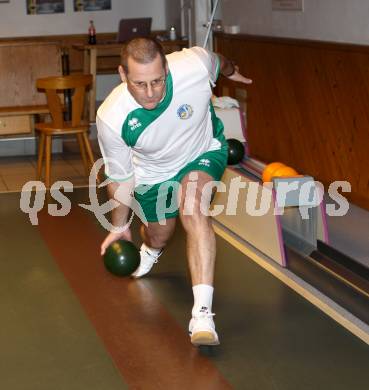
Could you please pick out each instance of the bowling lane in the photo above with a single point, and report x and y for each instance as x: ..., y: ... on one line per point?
x: 271, y: 338
x: 147, y: 344
x: 46, y: 340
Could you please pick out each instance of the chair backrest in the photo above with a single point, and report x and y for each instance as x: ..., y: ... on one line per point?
x: 54, y: 85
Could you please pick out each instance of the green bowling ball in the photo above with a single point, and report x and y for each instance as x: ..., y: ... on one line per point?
x: 122, y: 258
x: 236, y: 151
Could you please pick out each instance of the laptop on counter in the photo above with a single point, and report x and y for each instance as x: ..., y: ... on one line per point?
x: 131, y: 28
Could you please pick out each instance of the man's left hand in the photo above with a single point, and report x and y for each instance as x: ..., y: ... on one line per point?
x: 237, y: 76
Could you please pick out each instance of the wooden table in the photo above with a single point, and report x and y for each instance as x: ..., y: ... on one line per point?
x: 91, y: 52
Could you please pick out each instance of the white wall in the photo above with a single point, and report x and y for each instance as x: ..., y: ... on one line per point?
x: 202, y: 11
x: 105, y: 83
x: 15, y: 22
x: 326, y: 20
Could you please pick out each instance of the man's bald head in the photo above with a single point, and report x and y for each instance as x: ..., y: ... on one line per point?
x: 143, y: 51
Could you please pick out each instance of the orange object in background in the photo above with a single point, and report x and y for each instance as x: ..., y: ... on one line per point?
x: 285, y: 172
x: 270, y: 169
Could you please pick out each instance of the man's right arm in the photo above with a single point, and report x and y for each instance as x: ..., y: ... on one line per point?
x: 119, y: 169
x: 121, y: 192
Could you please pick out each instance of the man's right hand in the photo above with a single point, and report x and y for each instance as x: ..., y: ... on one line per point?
x: 111, y: 237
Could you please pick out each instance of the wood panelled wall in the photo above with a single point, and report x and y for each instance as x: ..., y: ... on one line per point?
x: 105, y: 64
x: 21, y: 64
x: 307, y: 107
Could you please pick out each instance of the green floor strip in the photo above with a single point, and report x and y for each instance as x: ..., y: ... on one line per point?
x: 46, y: 340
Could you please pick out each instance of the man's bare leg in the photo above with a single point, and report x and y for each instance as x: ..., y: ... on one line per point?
x: 201, y: 251
x: 155, y: 237
x: 199, y: 230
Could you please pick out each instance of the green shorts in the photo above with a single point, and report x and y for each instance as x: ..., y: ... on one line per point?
x: 159, y: 201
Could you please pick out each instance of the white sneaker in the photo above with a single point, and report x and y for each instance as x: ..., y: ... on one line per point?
x: 202, y: 329
x: 147, y: 261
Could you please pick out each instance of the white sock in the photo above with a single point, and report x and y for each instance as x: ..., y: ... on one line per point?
x: 152, y: 251
x: 203, y: 298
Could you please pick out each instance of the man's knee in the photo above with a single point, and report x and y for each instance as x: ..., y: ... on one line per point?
x: 194, y: 207
x: 194, y: 219
x: 159, y: 235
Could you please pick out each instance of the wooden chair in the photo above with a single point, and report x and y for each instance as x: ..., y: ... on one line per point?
x: 53, y: 86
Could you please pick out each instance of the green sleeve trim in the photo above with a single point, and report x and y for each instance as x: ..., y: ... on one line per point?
x: 218, y: 69
x: 218, y: 127
x: 119, y: 180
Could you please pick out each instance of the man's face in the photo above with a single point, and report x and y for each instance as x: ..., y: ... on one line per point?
x: 146, y: 82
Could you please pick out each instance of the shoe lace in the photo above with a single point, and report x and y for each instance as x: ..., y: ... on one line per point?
x: 204, y: 315
x: 154, y: 257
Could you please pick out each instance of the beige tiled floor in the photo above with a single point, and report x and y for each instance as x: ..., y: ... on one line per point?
x: 16, y: 171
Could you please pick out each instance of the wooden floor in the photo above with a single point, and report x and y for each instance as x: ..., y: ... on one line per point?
x: 68, y: 324
x: 16, y: 171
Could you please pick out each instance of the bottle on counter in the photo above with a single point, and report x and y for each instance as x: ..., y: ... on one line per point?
x: 172, y: 33
x: 78, y: 5
x: 92, y: 33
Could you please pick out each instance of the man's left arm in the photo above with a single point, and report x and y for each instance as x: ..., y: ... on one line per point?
x: 216, y: 63
x: 230, y: 70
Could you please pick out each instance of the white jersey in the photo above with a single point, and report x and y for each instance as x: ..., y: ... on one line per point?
x: 154, y: 145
